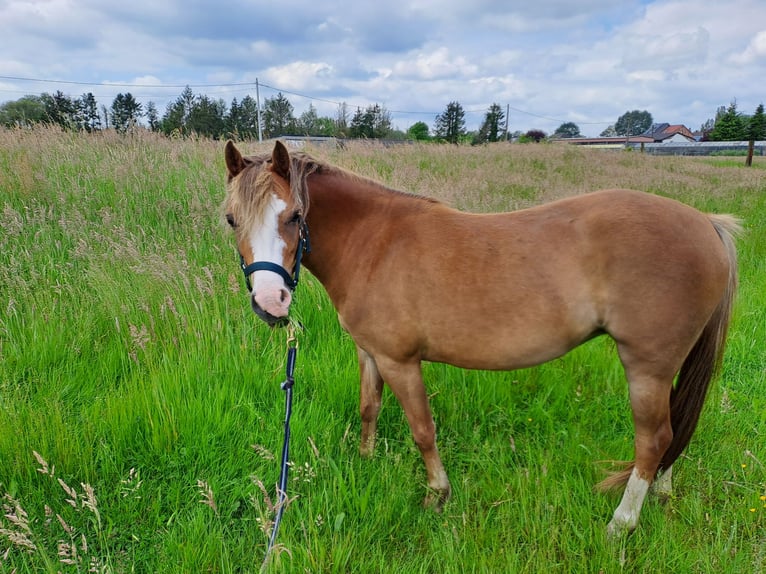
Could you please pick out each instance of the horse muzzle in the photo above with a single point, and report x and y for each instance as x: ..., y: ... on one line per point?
x: 266, y: 317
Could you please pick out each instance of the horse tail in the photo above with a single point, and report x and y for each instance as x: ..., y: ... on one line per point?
x: 704, y: 360
x: 701, y: 364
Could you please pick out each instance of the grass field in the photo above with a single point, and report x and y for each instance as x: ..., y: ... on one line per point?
x: 141, y: 415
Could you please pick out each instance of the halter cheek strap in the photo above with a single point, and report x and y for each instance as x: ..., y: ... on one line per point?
x: 291, y: 280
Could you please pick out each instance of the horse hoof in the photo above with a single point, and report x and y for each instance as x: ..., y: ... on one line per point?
x: 663, y: 496
x: 367, y: 444
x: 616, y: 530
x: 435, y: 500
x: 434, y: 503
x: 366, y: 450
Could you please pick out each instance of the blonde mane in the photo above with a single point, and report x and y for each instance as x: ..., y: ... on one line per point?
x: 247, y: 193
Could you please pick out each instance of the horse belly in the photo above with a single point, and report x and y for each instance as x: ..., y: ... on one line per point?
x: 509, y: 345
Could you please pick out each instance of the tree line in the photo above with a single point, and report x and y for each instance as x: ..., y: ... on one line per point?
x: 732, y: 125
x: 729, y: 124
x: 202, y: 115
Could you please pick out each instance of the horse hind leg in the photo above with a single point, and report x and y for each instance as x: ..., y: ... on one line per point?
x: 371, y: 391
x: 650, y: 402
x: 662, y: 487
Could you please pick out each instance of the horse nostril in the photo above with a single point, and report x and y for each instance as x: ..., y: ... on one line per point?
x: 284, y: 294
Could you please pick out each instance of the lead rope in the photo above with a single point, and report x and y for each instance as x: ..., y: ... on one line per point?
x: 287, y: 386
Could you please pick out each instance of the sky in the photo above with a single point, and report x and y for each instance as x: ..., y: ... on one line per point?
x: 545, y: 61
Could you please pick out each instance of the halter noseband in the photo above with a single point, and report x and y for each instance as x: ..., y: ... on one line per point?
x: 291, y: 280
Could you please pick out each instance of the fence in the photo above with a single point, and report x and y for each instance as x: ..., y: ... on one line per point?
x: 699, y: 148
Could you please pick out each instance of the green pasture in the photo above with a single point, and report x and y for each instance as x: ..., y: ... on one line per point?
x: 141, y: 415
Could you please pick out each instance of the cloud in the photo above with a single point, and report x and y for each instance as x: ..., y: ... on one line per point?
x: 755, y: 53
x: 300, y: 75
x: 432, y: 65
x: 669, y: 52
x: 587, y: 61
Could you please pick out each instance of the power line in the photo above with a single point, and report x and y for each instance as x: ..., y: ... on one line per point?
x: 183, y: 86
x: 341, y: 103
x: 125, y: 85
x: 242, y: 85
x: 557, y: 120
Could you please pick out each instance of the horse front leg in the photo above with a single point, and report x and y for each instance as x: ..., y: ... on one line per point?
x: 371, y: 391
x: 406, y: 382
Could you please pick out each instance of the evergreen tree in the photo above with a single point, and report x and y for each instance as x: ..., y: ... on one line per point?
x: 357, y: 128
x: 729, y: 125
x: 381, y: 121
x: 308, y: 122
x: 450, y: 125
x: 492, y: 126
x: 125, y: 112
x: 374, y: 122
x: 88, y: 118
x: 278, y: 118
x: 173, y: 119
x: 233, y: 121
x: 59, y: 110
x: 242, y: 119
x: 206, y: 117
x: 186, y: 101
x: 177, y: 113
x: 248, y: 111
x: 152, y: 116
x: 757, y: 127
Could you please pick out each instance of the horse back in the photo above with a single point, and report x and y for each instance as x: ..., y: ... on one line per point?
x: 517, y: 289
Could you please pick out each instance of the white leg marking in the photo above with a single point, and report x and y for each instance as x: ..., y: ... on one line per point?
x: 626, y: 515
x: 269, y: 288
x: 663, y: 484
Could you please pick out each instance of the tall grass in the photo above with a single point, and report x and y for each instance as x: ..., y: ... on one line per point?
x: 140, y: 409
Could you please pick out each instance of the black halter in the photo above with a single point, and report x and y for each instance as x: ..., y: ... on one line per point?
x: 291, y: 280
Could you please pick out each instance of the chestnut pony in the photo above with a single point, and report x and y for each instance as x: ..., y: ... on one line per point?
x: 413, y: 280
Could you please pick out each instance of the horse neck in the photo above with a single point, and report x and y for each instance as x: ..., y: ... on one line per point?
x: 345, y: 215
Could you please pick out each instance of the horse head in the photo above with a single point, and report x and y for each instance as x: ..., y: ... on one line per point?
x: 267, y: 216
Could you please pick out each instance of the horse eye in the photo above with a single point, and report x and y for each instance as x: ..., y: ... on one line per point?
x: 296, y: 217
x: 230, y: 220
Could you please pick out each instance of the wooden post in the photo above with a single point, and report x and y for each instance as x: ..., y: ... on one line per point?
x: 750, y: 148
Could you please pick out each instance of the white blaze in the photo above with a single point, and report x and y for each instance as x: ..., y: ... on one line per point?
x: 269, y: 289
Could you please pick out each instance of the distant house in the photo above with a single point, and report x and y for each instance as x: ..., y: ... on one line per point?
x: 606, y: 142
x: 666, y: 133
x: 657, y: 133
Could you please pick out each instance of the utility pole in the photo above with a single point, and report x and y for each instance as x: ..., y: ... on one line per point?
x: 507, y: 113
x: 258, y: 109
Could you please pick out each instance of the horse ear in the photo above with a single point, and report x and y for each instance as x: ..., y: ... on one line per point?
x: 235, y: 163
x: 280, y: 160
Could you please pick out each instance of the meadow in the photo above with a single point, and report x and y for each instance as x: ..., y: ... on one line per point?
x: 141, y: 413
